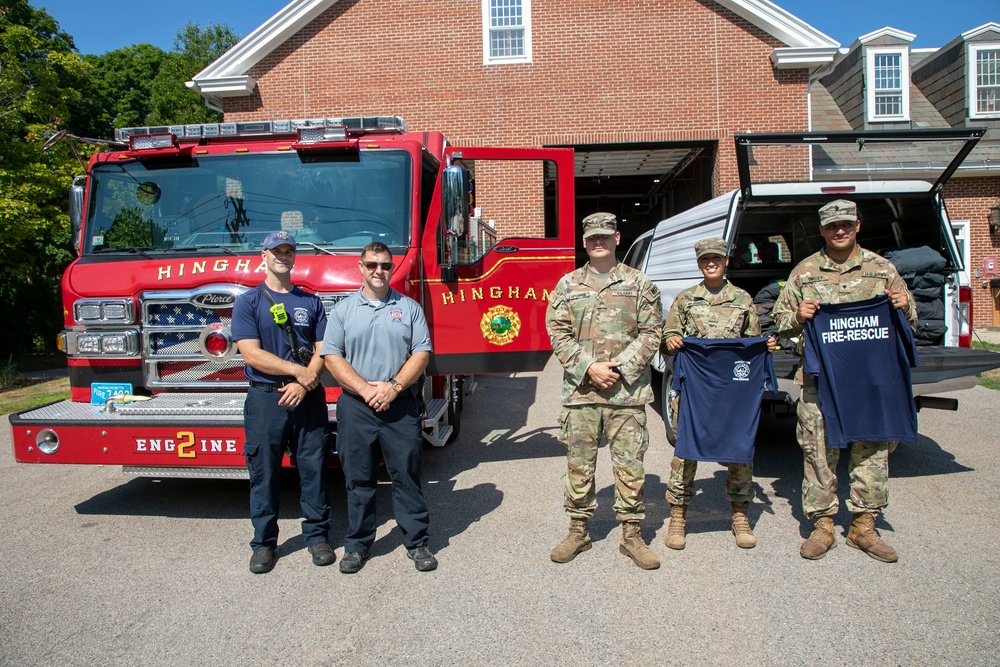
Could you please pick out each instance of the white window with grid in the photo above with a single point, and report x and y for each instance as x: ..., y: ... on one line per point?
x: 984, y: 81
x: 506, y: 31
x: 888, y: 85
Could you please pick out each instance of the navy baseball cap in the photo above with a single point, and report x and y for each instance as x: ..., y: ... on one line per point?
x: 280, y: 237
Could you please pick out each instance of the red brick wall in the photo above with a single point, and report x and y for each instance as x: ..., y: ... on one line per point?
x: 607, y: 72
x: 970, y: 199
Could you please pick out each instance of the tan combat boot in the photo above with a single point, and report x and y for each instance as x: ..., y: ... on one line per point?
x: 861, y: 535
x: 577, y: 540
x: 633, y: 547
x: 745, y: 539
x: 820, y: 540
x: 675, y: 529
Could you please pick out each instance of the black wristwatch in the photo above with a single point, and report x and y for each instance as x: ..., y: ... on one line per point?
x: 396, y: 385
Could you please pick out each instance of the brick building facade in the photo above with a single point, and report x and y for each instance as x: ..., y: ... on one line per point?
x: 649, y: 94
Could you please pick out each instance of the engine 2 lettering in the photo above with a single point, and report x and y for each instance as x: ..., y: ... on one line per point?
x: 186, y: 445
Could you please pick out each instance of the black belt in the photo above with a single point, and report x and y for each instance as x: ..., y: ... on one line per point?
x: 268, y: 386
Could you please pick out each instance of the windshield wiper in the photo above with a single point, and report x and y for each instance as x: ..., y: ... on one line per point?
x: 135, y: 250
x: 216, y: 246
x: 320, y: 248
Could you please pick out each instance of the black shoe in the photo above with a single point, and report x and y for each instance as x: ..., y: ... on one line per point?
x: 422, y: 558
x: 352, y: 562
x: 262, y: 560
x: 322, y: 554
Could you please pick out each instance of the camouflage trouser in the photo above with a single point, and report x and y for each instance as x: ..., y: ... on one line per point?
x: 869, y: 465
x: 581, y: 428
x: 680, y: 486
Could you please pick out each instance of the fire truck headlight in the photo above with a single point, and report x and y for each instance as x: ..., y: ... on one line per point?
x: 104, y: 311
x: 87, y: 311
x: 88, y: 344
x: 114, y: 311
x: 47, y: 441
x: 117, y: 343
x: 114, y: 344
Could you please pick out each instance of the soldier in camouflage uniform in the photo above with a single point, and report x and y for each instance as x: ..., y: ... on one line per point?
x: 842, y: 272
x: 714, y: 308
x: 604, y: 320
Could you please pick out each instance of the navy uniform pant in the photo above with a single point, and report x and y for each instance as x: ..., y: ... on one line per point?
x: 361, y: 433
x: 270, y: 429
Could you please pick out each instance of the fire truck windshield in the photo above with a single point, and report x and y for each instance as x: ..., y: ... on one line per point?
x: 231, y: 202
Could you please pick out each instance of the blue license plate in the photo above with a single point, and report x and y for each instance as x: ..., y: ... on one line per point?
x: 100, y: 392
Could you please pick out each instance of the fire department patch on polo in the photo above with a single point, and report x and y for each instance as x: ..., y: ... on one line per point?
x: 396, y: 315
x: 500, y: 325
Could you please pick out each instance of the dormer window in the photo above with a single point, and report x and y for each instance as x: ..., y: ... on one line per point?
x: 984, y: 81
x: 506, y: 31
x: 888, y: 90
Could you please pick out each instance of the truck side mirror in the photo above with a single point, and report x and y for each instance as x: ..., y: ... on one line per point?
x: 76, y: 210
x: 455, y: 189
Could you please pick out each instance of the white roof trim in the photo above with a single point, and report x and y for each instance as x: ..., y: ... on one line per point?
x: 986, y: 27
x: 778, y: 23
x: 226, y: 77
x: 256, y: 46
x: 225, y: 86
x: 887, y: 32
x: 812, y: 58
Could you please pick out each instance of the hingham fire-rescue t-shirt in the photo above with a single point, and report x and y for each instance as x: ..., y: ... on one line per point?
x: 861, y: 353
x: 721, y: 381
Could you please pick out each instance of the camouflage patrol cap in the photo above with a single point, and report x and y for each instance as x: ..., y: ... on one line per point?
x: 712, y: 246
x: 835, y: 211
x: 599, y: 224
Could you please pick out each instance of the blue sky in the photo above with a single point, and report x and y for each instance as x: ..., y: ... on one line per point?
x: 103, y: 25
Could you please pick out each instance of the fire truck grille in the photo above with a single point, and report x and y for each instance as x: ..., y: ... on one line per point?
x: 177, y: 327
x: 174, y: 329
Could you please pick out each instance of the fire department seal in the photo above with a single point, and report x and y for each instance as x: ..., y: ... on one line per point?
x: 500, y: 325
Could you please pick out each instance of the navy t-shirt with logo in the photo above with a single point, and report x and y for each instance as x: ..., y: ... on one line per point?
x: 252, y: 319
x: 721, y: 382
x: 861, y: 353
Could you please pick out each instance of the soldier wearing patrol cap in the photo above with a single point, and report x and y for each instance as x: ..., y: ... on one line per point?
x: 604, y: 321
x: 841, y: 272
x: 714, y: 308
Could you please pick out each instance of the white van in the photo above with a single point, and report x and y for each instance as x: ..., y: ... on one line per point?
x: 771, y: 223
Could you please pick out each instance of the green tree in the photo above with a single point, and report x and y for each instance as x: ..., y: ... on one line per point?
x: 40, y: 80
x: 171, y: 101
x: 46, y: 86
x: 145, y: 85
x: 120, y: 93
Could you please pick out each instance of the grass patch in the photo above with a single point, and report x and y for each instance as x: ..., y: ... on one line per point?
x: 989, y: 379
x: 28, y: 396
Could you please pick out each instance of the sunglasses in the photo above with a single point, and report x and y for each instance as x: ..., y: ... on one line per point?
x: 371, y: 266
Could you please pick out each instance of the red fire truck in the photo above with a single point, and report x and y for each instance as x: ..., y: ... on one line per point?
x: 169, y: 226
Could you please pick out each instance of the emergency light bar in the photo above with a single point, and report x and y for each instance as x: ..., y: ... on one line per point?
x: 145, y: 142
x: 356, y: 125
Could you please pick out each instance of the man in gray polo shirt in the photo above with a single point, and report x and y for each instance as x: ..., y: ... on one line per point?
x: 376, y: 346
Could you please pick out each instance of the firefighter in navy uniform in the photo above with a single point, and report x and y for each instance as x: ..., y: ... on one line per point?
x: 278, y: 329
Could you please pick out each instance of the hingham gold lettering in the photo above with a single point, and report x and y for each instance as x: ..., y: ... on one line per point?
x: 496, y: 292
x: 166, y: 272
